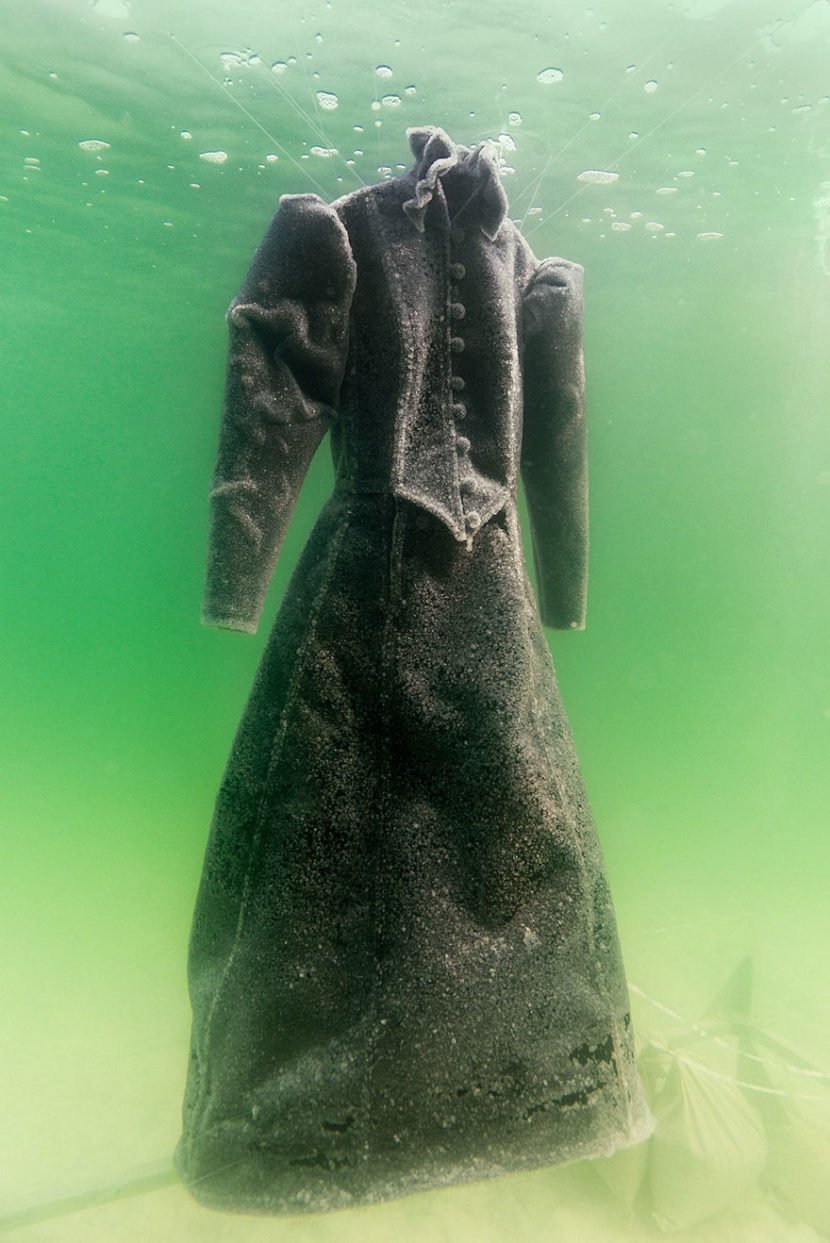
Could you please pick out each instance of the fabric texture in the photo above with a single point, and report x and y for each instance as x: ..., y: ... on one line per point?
x: 404, y: 966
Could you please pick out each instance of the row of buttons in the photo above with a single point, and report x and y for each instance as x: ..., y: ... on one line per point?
x: 458, y: 408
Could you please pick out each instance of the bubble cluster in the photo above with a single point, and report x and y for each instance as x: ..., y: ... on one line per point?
x: 239, y: 60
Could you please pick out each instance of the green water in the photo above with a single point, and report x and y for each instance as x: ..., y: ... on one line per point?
x: 699, y: 694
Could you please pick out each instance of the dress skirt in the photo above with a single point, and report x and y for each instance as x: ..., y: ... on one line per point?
x: 404, y: 967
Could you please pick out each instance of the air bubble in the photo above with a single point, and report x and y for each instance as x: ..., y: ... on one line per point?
x: 186, y: 135
x: 111, y: 8
x: 410, y: 90
x: 620, y: 226
x: 598, y: 176
x: 383, y: 71
x: 650, y: 87
x: 391, y: 101
x: 327, y: 100
x: 654, y: 227
x: 213, y: 157
x: 279, y: 66
x: 131, y: 36
x: 233, y: 60
x: 546, y: 76
x: 514, y: 118
x: 93, y: 144
x: 666, y: 190
x: 324, y: 152
x: 708, y: 237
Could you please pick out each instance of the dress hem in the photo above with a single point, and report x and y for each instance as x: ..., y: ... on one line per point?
x: 440, y: 1173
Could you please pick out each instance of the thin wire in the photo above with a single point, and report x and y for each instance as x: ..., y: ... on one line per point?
x: 537, y: 181
x: 250, y: 116
x: 314, y: 126
x: 740, y: 1083
x: 633, y: 146
x: 701, y: 1031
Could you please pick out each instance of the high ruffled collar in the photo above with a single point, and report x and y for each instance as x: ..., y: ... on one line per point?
x: 435, y: 154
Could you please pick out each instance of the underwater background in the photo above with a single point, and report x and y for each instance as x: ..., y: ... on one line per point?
x: 681, y: 153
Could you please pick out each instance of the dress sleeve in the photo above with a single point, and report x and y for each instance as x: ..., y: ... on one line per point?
x: 554, y: 462
x: 287, y: 343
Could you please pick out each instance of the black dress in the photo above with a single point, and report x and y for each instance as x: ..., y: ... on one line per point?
x: 404, y: 966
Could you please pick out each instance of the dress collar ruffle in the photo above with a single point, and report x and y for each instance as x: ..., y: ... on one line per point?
x: 435, y: 154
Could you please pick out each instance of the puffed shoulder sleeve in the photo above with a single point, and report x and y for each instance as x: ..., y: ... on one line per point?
x: 554, y: 461
x: 287, y: 342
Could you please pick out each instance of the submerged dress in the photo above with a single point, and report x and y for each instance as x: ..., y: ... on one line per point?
x: 404, y: 967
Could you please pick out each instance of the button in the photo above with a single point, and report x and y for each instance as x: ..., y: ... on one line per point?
x: 456, y: 344
x: 457, y: 310
x: 473, y: 520
x: 458, y: 410
x: 466, y: 486
x: 457, y: 382
x: 457, y: 233
x: 462, y: 443
x: 458, y: 271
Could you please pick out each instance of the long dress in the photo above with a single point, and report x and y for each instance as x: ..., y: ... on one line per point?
x: 404, y: 966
